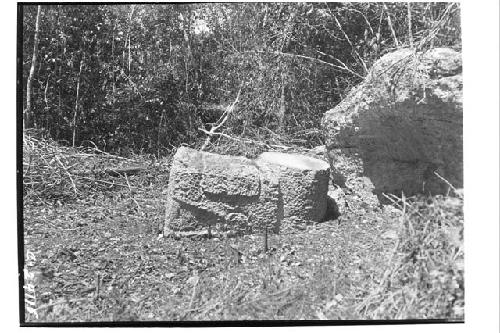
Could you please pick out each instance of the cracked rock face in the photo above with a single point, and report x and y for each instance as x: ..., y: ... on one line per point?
x: 243, y: 195
x: 402, y: 124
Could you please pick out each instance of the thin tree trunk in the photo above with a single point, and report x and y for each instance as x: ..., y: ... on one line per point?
x: 389, y: 22
x: 281, y: 115
x: 28, y: 111
x: 57, y: 83
x: 186, y: 69
x: 45, y: 93
x: 76, y: 102
x: 113, y: 61
x: 410, y: 34
x: 129, y: 59
x: 358, y: 57
x: 185, y: 22
x: 159, y: 134
x: 127, y: 39
x: 284, y: 47
x: 169, y: 50
x: 339, y: 91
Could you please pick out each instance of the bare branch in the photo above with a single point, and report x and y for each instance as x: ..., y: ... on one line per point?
x: 342, y: 68
x: 221, y: 120
x: 410, y: 34
x: 442, y: 20
x: 364, y: 16
x: 68, y: 173
x: 349, y: 41
x: 389, y: 22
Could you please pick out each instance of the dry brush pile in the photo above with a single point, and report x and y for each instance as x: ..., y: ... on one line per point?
x: 55, y: 172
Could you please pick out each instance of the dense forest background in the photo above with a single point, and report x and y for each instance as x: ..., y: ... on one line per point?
x: 133, y: 78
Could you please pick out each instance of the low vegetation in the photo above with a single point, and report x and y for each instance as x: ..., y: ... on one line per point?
x: 97, y: 253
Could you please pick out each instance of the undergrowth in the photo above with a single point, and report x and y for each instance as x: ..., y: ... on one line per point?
x: 97, y: 254
x: 425, y: 275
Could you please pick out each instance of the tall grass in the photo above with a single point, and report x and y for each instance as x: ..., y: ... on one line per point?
x: 425, y: 275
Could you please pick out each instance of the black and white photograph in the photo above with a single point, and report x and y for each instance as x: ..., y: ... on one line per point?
x: 249, y: 163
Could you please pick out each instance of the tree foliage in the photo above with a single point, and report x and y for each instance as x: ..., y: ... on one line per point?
x: 145, y: 78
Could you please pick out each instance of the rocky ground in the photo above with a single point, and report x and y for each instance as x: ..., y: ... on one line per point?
x: 96, y: 255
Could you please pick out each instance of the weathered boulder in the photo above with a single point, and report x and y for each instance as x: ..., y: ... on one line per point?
x: 243, y: 195
x: 400, y: 125
x: 303, y: 184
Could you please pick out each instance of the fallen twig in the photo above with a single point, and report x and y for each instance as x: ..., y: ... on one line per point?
x: 103, y: 181
x: 111, y: 155
x: 447, y: 182
x: 129, y: 171
x: 68, y: 173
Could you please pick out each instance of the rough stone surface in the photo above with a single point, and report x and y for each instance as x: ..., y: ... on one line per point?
x: 208, y: 189
x: 400, y: 125
x: 303, y: 185
x: 242, y: 195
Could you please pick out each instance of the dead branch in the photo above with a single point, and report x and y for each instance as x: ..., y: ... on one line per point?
x: 125, y: 171
x: 349, y: 41
x: 111, y: 155
x: 389, y: 22
x: 446, y: 181
x: 441, y: 21
x: 103, y: 182
x: 68, y: 173
x: 341, y: 68
x: 410, y: 34
x: 221, y: 121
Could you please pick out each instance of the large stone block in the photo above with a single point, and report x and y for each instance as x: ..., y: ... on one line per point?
x: 402, y: 124
x: 243, y: 195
